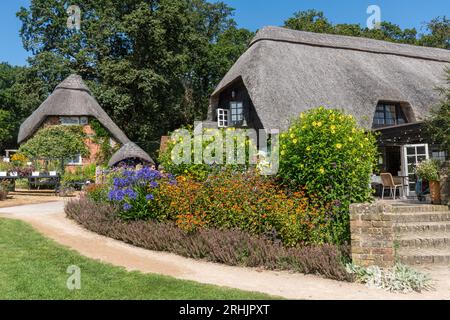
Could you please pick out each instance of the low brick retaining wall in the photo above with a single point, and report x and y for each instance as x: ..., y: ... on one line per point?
x: 372, y: 233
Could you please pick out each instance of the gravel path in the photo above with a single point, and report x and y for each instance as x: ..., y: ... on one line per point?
x: 49, y: 219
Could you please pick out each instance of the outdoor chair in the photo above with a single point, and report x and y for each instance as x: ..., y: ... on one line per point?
x: 387, y: 180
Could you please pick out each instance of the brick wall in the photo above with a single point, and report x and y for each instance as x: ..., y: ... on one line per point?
x: 372, y: 235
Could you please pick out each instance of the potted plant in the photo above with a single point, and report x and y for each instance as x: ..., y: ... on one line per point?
x: 429, y: 170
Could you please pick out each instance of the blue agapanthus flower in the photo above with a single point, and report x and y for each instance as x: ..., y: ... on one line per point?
x: 127, y: 207
x: 150, y: 197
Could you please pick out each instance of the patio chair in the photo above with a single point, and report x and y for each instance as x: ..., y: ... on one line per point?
x: 387, y: 180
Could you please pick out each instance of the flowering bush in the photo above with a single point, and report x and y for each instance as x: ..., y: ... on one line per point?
x: 200, y: 171
x: 248, y: 202
x: 134, y: 191
x: 326, y: 153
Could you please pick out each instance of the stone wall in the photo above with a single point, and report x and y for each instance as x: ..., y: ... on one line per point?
x: 372, y: 235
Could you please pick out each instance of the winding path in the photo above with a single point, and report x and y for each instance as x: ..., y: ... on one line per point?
x: 49, y: 219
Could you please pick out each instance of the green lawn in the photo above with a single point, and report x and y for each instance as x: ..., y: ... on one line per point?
x: 33, y: 267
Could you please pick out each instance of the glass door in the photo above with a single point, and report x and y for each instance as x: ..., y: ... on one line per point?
x: 412, y: 156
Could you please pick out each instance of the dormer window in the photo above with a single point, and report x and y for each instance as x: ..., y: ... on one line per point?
x: 237, y: 112
x: 389, y: 115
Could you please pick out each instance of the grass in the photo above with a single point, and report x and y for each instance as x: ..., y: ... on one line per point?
x: 33, y: 267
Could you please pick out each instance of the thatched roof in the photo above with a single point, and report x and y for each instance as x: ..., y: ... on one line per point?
x: 129, y: 151
x: 70, y: 98
x: 287, y: 72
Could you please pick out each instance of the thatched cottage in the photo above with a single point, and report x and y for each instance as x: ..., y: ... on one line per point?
x: 72, y: 103
x: 388, y: 87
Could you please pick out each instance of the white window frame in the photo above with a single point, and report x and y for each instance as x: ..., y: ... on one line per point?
x: 223, y: 116
x: 78, y: 162
x: 405, y: 169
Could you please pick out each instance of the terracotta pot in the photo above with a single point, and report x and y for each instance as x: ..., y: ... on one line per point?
x: 435, y: 190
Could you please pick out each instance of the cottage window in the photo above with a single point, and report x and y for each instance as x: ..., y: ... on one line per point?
x: 387, y: 115
x: 73, y: 121
x: 237, y: 112
x: 75, y: 161
x: 222, y: 118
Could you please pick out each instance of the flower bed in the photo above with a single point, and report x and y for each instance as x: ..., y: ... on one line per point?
x: 230, y: 247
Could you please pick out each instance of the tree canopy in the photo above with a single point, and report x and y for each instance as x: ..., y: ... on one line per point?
x: 437, y: 31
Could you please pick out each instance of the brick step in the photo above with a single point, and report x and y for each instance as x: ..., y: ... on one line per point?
x: 424, y: 256
x: 414, y: 227
x: 422, y: 240
x: 419, y: 208
x: 421, y: 217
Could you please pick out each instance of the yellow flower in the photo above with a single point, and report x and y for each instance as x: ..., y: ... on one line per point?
x: 354, y: 130
x: 333, y: 131
x: 295, y: 141
x: 283, y: 153
x: 302, y: 115
x: 319, y: 124
x: 314, y: 124
x: 322, y: 170
x: 284, y: 146
x: 308, y: 148
x: 367, y: 139
x: 339, y: 146
x: 350, y: 139
x: 283, y: 135
x: 333, y: 127
x: 304, y: 127
x: 292, y: 136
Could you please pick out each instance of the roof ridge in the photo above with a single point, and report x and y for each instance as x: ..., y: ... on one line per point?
x: 280, y: 34
x: 73, y: 82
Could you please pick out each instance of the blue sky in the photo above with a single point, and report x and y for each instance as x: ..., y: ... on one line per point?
x: 254, y: 14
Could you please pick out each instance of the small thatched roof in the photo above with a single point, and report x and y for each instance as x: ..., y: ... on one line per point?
x: 287, y: 72
x: 129, y: 151
x: 70, y: 98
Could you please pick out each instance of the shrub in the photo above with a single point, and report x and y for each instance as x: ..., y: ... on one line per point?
x: 400, y: 278
x: 249, y: 202
x: 326, y: 153
x: 97, y: 192
x: 135, y: 191
x: 226, y: 200
x: 200, y: 171
x: 231, y: 247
